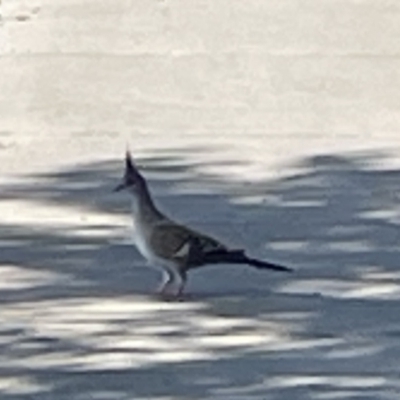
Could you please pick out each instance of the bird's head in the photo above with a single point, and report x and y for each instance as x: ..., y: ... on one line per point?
x: 131, y: 180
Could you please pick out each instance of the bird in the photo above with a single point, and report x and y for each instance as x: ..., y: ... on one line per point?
x: 172, y: 246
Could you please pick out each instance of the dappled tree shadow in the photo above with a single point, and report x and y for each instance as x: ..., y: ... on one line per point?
x: 77, y: 321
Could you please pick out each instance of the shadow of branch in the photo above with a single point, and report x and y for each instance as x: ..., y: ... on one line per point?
x: 77, y: 323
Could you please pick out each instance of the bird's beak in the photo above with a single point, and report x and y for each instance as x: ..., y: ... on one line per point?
x: 120, y: 187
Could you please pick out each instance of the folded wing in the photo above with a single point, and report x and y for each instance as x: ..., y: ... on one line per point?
x: 187, y: 247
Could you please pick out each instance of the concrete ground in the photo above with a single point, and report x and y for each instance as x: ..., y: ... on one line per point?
x: 271, y: 125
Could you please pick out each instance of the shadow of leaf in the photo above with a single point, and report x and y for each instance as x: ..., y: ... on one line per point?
x: 77, y: 321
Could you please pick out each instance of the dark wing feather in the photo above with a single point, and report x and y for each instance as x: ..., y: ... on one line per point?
x: 177, y: 243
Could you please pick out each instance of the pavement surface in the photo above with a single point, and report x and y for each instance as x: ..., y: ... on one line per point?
x: 270, y: 125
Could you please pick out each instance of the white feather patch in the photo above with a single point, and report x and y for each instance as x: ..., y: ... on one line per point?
x: 183, y: 251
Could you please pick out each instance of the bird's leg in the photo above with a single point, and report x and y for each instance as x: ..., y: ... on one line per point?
x: 182, y: 282
x: 168, y: 278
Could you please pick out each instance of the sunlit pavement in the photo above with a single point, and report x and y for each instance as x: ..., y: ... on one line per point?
x: 272, y: 125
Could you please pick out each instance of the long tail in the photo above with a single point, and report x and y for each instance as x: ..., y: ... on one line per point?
x: 239, y: 257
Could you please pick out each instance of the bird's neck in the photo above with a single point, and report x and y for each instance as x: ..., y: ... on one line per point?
x: 143, y: 207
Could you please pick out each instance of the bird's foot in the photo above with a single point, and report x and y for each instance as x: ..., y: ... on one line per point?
x: 166, y: 295
x: 162, y: 293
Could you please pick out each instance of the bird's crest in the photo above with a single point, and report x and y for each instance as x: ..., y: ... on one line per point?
x: 131, y: 175
x: 130, y: 167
